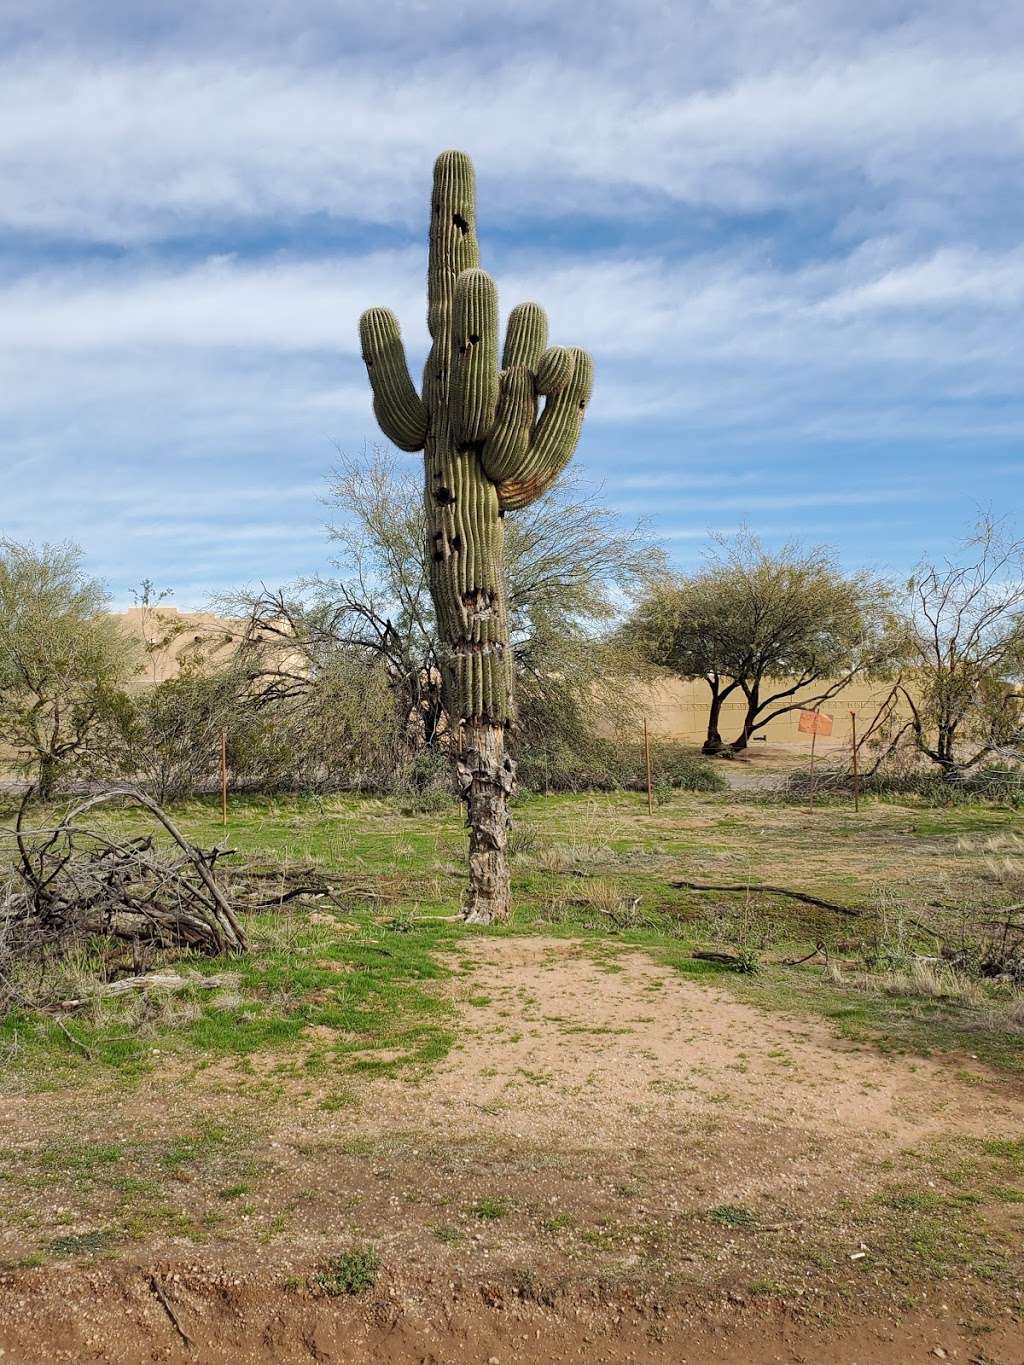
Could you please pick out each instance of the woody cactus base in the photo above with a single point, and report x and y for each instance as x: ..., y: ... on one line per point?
x: 486, y: 452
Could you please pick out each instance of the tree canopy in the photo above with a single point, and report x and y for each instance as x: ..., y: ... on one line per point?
x: 782, y: 631
x: 569, y: 570
x: 63, y: 661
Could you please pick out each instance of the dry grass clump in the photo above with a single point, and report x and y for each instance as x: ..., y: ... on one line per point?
x: 555, y: 859
x: 933, y: 980
x: 562, y: 860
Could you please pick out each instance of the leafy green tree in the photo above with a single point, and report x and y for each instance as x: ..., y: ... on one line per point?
x: 782, y: 631
x: 64, y: 665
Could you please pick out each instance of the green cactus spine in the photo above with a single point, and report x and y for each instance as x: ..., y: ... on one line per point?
x: 486, y: 452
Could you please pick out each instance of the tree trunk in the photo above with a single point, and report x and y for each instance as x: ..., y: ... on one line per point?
x: 749, y: 720
x: 741, y: 741
x: 714, y: 744
x: 486, y: 777
x: 46, y: 777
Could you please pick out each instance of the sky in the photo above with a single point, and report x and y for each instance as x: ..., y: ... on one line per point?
x: 789, y: 231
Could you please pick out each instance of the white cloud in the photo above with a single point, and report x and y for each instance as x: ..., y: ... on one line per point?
x: 197, y: 201
x: 723, y: 337
x: 144, y: 146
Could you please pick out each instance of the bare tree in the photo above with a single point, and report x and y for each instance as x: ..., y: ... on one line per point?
x: 159, y: 629
x: 965, y: 644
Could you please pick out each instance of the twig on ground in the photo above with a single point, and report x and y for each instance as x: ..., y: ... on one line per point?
x: 158, y: 1290
x: 798, y: 961
x: 86, y: 1052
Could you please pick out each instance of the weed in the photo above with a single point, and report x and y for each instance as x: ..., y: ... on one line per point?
x: 81, y: 1243
x: 731, y: 1215
x: 490, y: 1207
x: 350, y: 1272
x: 447, y: 1233
x: 233, y: 1191
x: 558, y: 1222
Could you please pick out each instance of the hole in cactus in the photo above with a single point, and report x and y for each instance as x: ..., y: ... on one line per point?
x: 456, y: 543
x: 460, y: 223
x: 479, y: 603
x: 473, y: 339
x: 444, y: 496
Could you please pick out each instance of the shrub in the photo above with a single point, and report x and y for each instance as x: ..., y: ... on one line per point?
x: 1002, y: 783
x: 593, y: 763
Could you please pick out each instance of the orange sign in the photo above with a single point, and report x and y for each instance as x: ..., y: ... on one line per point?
x: 815, y: 723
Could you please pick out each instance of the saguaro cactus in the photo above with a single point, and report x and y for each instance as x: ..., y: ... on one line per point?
x: 486, y: 452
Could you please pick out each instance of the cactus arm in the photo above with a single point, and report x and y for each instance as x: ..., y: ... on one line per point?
x: 554, y: 369
x: 475, y: 340
x: 525, y: 336
x: 506, y: 447
x: 396, y: 404
x: 558, y: 431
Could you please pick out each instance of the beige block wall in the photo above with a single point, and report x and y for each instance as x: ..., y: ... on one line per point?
x: 679, y: 710
x: 675, y: 709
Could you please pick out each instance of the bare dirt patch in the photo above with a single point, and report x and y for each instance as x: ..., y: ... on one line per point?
x: 615, y: 1163
x: 562, y: 1044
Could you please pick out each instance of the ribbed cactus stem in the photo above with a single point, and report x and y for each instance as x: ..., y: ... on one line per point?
x: 475, y: 386
x: 396, y: 404
x: 555, y: 438
x: 525, y: 336
x: 509, y: 441
x: 485, y: 453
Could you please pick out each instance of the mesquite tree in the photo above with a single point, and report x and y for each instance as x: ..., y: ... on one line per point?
x: 486, y: 452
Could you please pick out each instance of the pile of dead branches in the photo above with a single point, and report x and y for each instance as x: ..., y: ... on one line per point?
x: 75, y: 879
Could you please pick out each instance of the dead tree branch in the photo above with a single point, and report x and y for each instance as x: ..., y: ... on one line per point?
x: 773, y: 891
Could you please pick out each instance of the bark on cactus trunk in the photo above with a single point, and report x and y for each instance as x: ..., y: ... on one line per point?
x: 486, y: 777
x: 486, y: 452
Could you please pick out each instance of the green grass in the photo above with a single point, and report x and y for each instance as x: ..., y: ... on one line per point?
x: 358, y: 992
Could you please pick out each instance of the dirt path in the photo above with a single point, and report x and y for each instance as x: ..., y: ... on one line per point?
x: 615, y: 1163
x: 560, y: 1046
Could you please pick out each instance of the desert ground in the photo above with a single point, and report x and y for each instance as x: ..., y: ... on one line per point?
x: 383, y: 1133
